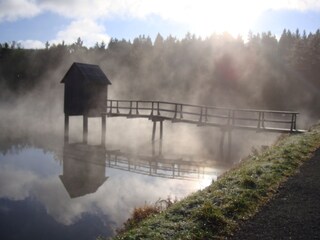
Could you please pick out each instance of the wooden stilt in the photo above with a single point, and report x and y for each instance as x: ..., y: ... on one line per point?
x: 103, y: 129
x: 66, y: 128
x: 229, y: 145
x: 223, y: 132
x: 85, y: 129
x: 161, y: 130
x: 154, y: 130
x: 160, y: 148
x: 153, y: 150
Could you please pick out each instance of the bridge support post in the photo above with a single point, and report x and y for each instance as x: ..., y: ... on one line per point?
x: 154, y: 130
x: 153, y: 151
x: 229, y: 145
x: 161, y: 130
x: 66, y: 128
x: 85, y: 129
x: 103, y: 129
x: 225, y: 154
x: 223, y: 132
x: 160, y: 148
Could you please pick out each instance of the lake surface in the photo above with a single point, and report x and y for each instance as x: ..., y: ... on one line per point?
x: 51, y: 189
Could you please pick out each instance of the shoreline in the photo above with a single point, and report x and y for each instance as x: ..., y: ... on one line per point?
x: 218, y: 210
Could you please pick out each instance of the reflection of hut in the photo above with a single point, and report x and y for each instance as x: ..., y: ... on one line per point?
x: 83, y: 168
x: 85, y: 94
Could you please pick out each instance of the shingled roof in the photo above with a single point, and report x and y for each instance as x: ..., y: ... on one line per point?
x: 89, y: 73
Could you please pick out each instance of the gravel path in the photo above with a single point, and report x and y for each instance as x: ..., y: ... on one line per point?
x: 294, y: 213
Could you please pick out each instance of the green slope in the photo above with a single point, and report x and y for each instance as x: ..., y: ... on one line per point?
x: 215, y: 212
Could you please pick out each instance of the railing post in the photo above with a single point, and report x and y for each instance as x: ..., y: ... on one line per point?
x: 158, y: 108
x: 118, y: 107
x: 262, y: 123
x: 259, y: 121
x: 152, y: 108
x: 110, y: 111
x: 229, y: 118
x: 175, y: 111
x: 201, y: 110
x: 292, y: 122
x: 130, y: 112
x: 137, y: 107
x: 173, y: 170
x: 206, y: 114
x: 181, y: 111
x: 233, y: 117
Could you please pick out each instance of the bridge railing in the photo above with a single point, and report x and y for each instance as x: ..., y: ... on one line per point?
x: 204, y: 115
x: 159, y: 166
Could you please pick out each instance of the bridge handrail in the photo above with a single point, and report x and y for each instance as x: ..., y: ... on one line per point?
x: 203, y: 112
x: 208, y: 107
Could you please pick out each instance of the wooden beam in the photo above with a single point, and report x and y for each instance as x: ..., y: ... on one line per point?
x: 154, y: 130
x: 161, y: 130
x: 66, y: 128
x: 85, y: 128
x: 103, y: 129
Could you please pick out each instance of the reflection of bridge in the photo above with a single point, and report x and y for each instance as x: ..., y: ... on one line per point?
x: 225, y: 118
x: 160, y: 166
x: 84, y: 167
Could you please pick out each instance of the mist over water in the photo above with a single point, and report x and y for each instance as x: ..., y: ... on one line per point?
x: 36, y: 165
x: 33, y: 156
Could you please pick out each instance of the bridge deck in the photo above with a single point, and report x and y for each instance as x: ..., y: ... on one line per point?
x: 226, y: 118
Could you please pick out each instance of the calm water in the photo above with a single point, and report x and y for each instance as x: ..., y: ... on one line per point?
x: 44, y: 196
x: 56, y: 190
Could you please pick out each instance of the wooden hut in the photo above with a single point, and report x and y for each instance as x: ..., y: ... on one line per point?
x: 85, y: 94
x: 86, y: 90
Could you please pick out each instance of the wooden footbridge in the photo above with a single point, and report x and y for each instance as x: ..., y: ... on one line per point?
x: 86, y: 91
x: 205, y: 116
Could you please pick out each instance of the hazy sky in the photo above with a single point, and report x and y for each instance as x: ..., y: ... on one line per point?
x: 33, y: 22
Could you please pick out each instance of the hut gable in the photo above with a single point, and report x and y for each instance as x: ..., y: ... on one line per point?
x: 87, y: 73
x: 86, y: 90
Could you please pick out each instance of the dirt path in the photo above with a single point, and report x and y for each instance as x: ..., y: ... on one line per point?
x: 294, y: 213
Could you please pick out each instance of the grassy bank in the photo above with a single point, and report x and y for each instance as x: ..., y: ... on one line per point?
x: 216, y: 211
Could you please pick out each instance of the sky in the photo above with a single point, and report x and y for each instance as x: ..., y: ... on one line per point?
x: 32, y: 23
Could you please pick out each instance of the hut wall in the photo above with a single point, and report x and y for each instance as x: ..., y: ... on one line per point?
x: 96, y: 95
x: 74, y: 99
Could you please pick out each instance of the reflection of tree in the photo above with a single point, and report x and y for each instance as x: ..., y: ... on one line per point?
x: 12, y: 141
x: 9, y: 145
